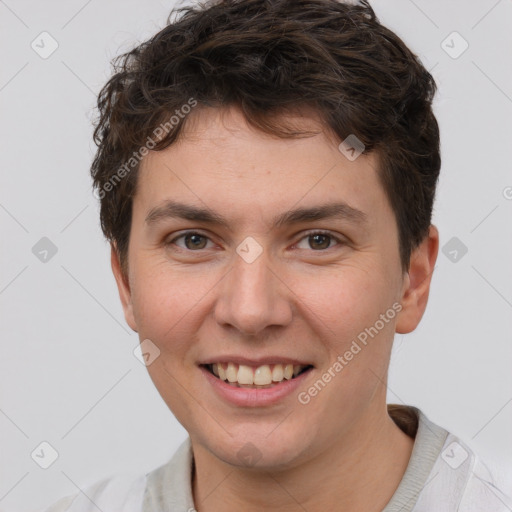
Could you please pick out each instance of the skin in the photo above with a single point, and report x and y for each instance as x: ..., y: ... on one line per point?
x: 300, y: 298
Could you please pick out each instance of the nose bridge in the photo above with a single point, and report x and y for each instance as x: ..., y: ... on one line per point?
x: 252, y: 297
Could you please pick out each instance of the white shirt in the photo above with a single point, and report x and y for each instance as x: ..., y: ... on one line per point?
x: 443, y: 475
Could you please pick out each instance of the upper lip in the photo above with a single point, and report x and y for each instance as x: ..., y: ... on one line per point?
x: 257, y: 361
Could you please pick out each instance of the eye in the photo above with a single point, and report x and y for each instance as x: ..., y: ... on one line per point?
x: 320, y: 239
x: 193, y: 240
x: 317, y: 240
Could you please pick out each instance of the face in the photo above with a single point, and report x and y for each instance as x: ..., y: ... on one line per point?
x: 249, y: 283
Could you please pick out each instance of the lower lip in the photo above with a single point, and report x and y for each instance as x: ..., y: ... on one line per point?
x: 254, y: 397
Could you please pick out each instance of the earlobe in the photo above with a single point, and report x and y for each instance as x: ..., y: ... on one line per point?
x: 123, y: 287
x: 417, y: 282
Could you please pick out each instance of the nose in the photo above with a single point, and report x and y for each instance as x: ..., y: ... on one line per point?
x: 253, y: 297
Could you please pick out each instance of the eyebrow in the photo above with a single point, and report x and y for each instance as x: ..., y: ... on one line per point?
x: 170, y: 209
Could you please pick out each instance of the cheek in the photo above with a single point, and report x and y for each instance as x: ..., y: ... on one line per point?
x: 345, y: 314
x: 168, y: 304
x: 345, y: 301
x: 346, y: 311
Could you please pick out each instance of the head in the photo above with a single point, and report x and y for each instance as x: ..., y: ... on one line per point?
x: 240, y: 109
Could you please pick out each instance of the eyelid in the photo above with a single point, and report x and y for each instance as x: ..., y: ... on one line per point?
x: 310, y: 232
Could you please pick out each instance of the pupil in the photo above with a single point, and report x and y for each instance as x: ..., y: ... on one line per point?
x: 325, y: 237
x: 195, y: 237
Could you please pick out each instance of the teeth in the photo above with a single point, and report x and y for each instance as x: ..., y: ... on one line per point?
x: 263, y: 375
x: 247, y: 376
x: 231, y: 372
x: 222, y: 372
x: 278, y: 373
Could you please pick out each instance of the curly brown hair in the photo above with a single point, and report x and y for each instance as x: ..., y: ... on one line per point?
x: 269, y: 57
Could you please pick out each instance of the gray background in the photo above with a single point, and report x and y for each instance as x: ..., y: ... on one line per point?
x: 68, y: 373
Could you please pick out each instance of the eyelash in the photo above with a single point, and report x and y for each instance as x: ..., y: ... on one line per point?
x: 306, y: 235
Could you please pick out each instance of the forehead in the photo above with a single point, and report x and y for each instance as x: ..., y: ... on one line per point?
x: 223, y: 163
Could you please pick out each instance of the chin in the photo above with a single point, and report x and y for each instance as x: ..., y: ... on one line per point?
x: 255, y: 448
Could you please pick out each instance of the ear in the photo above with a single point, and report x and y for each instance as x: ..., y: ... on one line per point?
x: 417, y: 282
x: 123, y: 287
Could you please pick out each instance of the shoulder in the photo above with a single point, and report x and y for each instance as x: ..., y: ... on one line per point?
x: 120, y: 493
x: 466, y: 483
x: 488, y: 484
x: 168, y: 487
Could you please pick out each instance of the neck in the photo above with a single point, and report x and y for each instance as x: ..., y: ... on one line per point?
x: 360, y: 470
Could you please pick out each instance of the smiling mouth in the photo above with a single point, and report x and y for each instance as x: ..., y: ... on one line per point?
x: 264, y: 376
